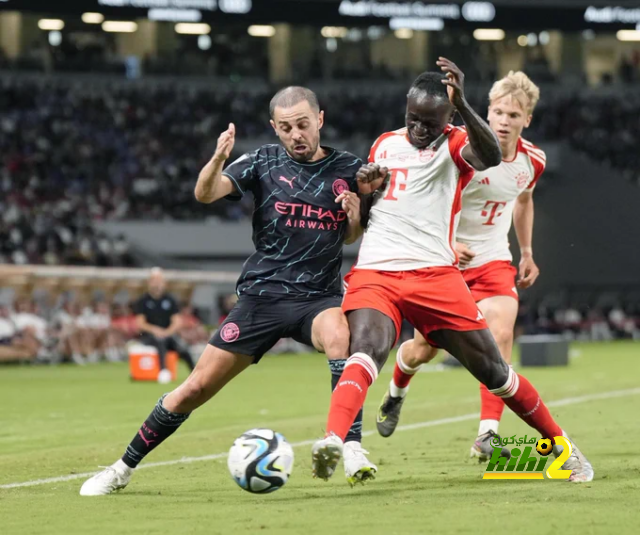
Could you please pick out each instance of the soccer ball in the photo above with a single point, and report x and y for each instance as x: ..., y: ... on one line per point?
x: 544, y: 447
x: 260, y: 460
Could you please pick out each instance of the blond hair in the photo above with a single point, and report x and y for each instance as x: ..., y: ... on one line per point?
x: 520, y: 87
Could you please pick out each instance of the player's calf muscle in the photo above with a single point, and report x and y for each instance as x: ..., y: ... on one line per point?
x: 371, y: 335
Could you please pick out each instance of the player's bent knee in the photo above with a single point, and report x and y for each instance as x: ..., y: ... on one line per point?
x: 502, y: 336
x: 495, y: 375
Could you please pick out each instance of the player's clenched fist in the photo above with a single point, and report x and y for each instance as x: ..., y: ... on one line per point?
x: 351, y: 205
x: 226, y: 141
x: 371, y: 177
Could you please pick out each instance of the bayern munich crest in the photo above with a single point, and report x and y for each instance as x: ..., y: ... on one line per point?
x: 522, y: 179
x: 426, y: 155
x: 340, y: 186
x: 230, y: 332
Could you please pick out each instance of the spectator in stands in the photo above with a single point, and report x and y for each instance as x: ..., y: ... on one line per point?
x: 159, y: 321
x: 65, y: 328
x: 570, y: 321
x: 124, y: 323
x: 192, y: 330
x: 225, y: 304
x: 622, y: 325
x: 15, y: 345
x: 598, y: 326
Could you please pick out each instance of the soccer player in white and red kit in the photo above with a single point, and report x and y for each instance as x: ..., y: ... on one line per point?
x: 489, y: 203
x: 407, y: 265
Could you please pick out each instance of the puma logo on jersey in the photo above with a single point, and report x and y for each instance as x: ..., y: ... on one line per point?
x: 485, y: 181
x: 288, y: 180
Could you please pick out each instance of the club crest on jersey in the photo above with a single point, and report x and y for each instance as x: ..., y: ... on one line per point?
x: 522, y: 179
x: 426, y: 155
x: 230, y: 332
x: 340, y: 186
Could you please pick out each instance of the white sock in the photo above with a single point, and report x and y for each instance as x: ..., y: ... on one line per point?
x: 396, y: 391
x: 488, y: 425
x: 122, y: 467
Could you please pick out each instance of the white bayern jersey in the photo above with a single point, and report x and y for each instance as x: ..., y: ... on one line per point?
x: 412, y: 222
x: 488, y: 202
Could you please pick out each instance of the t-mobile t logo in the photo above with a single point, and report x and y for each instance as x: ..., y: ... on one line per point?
x: 492, y: 209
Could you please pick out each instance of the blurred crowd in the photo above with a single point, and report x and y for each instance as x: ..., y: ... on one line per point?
x: 587, y: 322
x: 86, y: 334
x: 74, y: 153
x: 605, y: 125
x: 82, y: 334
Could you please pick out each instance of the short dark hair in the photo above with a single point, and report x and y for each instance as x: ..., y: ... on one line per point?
x: 430, y: 84
x: 292, y: 95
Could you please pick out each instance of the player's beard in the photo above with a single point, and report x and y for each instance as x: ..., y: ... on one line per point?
x: 308, y: 154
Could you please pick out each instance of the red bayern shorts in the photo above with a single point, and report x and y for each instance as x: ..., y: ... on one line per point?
x: 431, y: 299
x: 493, y: 279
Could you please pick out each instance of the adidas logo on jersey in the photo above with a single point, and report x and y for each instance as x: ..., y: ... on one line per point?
x: 485, y: 181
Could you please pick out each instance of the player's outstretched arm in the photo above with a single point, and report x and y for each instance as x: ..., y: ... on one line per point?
x: 212, y: 185
x: 483, y: 150
x: 523, y: 223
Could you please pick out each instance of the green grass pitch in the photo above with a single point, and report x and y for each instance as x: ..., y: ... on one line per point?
x: 61, y: 421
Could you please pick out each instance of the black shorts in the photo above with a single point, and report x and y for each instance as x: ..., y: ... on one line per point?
x: 255, y: 324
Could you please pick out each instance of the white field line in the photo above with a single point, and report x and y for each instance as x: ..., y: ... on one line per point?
x: 408, y: 427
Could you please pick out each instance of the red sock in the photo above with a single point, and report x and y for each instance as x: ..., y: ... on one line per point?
x: 401, y: 379
x: 349, y: 395
x: 491, y: 406
x: 523, y: 399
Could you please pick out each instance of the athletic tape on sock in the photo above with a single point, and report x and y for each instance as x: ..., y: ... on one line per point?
x: 510, y: 387
x: 366, y: 362
x: 405, y: 369
x: 337, y: 366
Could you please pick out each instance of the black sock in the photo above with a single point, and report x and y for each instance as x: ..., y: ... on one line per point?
x: 355, y: 432
x: 160, y: 424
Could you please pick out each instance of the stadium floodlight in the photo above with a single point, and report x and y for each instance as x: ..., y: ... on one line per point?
x: 334, y: 31
x: 628, y: 35
x: 92, y: 18
x: 55, y: 38
x: 523, y: 40
x: 259, y: 30
x: 204, y: 42
x: 51, y: 24
x: 544, y: 38
x: 488, y: 34
x: 192, y: 28
x: 403, y: 33
x: 119, y: 26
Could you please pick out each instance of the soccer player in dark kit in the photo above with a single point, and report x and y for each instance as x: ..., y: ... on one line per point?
x: 306, y: 207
